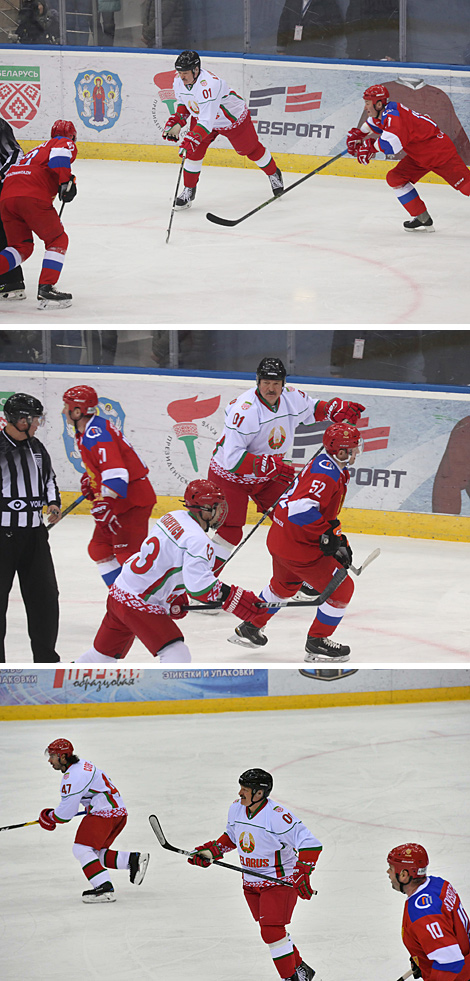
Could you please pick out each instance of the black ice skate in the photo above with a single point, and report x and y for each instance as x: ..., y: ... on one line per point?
x: 304, y: 972
x: 49, y: 297
x: 12, y: 291
x: 276, y: 182
x: 325, y: 649
x: 138, y: 862
x: 423, y: 223
x: 247, y: 635
x: 305, y: 592
x: 186, y: 198
x: 102, y: 894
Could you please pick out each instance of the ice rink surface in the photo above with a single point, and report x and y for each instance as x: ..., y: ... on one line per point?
x: 362, y: 779
x: 332, y: 252
x: 410, y: 605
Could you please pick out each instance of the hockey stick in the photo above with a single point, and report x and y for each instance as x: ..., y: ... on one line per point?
x: 236, y: 221
x: 62, y: 208
x: 26, y: 824
x: 335, y: 581
x: 370, y: 558
x: 405, y: 976
x: 67, y: 511
x: 168, y: 231
x: 158, y: 831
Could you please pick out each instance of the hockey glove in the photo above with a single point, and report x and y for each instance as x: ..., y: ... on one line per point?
x: 104, y: 516
x: 177, y: 601
x: 173, y: 127
x: 339, y: 411
x: 190, y: 143
x: 415, y: 968
x: 273, y: 468
x: 354, y: 140
x: 302, y: 874
x: 243, y: 603
x: 335, y: 544
x: 68, y: 190
x: 205, y: 854
x: 366, y: 151
x: 85, y: 486
x: 46, y: 819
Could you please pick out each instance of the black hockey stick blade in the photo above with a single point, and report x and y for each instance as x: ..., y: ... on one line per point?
x: 333, y: 584
x: 158, y: 831
x: 229, y: 223
x: 370, y: 558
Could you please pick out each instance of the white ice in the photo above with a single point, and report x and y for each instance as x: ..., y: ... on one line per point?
x: 362, y: 779
x: 333, y: 251
x: 410, y: 605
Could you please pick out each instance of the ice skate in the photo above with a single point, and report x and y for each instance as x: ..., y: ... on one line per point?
x: 305, y: 592
x: 186, y: 198
x: 138, y: 862
x: 12, y: 291
x: 247, y: 635
x: 276, y: 182
x: 102, y: 894
x: 49, y: 297
x: 305, y: 973
x: 422, y: 223
x: 325, y: 649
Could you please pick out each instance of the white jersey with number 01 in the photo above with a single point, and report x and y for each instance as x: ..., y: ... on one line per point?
x: 85, y: 787
x: 211, y: 101
x: 268, y: 841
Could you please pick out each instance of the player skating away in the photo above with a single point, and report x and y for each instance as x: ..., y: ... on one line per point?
x: 28, y: 191
x: 435, y: 926
x: 307, y: 546
x: 214, y: 109
x: 427, y: 149
x: 84, y: 785
x: 116, y: 480
x: 176, y: 561
x: 247, y: 462
x: 271, y: 838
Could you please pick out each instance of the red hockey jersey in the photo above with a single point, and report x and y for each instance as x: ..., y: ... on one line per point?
x: 419, y: 136
x: 436, y: 931
x: 39, y: 173
x: 305, y: 512
x: 113, y: 465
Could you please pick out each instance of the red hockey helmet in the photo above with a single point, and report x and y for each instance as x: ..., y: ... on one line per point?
x: 65, y: 128
x: 203, y: 495
x: 376, y: 93
x: 63, y: 747
x: 81, y: 397
x: 341, y: 436
x: 411, y: 858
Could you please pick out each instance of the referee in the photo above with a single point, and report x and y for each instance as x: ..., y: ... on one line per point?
x: 27, y: 483
x: 11, y: 283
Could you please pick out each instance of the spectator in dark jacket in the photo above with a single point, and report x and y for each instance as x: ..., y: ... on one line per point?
x: 310, y: 28
x: 372, y: 30
x: 174, y: 23
x: 37, y: 24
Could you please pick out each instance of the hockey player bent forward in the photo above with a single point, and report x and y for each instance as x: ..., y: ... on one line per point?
x: 214, y: 109
x: 307, y: 546
x: 270, y: 838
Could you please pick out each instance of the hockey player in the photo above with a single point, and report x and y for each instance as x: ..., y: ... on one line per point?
x: 247, y: 462
x: 28, y: 191
x: 435, y: 927
x: 85, y: 785
x: 115, y: 480
x: 11, y: 283
x: 307, y: 546
x: 396, y: 128
x: 213, y: 109
x: 271, y: 838
x: 152, y: 590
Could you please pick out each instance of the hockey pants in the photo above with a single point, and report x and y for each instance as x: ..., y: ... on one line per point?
x: 244, y: 139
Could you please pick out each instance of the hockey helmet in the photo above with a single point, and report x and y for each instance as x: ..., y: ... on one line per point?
x: 203, y: 495
x: 271, y: 368
x: 377, y: 93
x: 64, y: 128
x: 411, y: 858
x: 81, y: 397
x: 188, y: 61
x: 21, y: 406
x: 62, y: 747
x: 341, y: 436
x: 257, y: 779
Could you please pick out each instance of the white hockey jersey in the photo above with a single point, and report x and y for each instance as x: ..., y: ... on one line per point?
x: 253, y: 427
x: 85, y: 786
x: 268, y: 841
x: 210, y: 100
x: 176, y: 556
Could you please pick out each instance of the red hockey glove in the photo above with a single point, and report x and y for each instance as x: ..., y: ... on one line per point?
x: 86, y: 487
x: 190, y: 142
x: 243, y: 603
x: 302, y: 874
x: 46, y: 820
x: 177, y: 601
x: 103, y: 515
x: 354, y: 140
x: 68, y: 189
x: 366, y: 151
x: 273, y: 468
x: 205, y: 854
x: 339, y: 411
x: 173, y: 127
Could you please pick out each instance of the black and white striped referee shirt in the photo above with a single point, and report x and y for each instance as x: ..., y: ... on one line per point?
x: 27, y: 482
